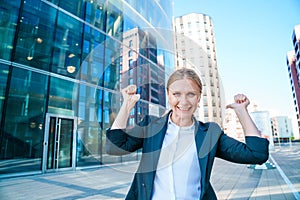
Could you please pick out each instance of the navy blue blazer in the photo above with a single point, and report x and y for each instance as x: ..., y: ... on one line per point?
x: 210, y: 141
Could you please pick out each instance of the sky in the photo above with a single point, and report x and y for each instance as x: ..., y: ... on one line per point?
x: 252, y: 40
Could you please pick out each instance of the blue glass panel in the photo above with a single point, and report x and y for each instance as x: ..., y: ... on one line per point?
x: 24, y: 121
x: 9, y: 12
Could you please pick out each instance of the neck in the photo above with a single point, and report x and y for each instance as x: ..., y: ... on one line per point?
x: 181, y: 122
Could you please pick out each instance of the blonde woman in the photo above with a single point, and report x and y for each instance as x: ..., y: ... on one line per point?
x: 177, y: 150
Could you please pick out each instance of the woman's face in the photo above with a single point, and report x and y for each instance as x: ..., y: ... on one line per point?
x: 184, y: 96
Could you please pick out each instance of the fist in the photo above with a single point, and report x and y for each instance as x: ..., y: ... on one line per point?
x: 240, y: 100
x: 130, y: 97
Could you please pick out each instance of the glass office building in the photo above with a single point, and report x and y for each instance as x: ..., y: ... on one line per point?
x: 62, y: 65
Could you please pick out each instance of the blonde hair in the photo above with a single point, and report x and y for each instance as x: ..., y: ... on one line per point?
x: 182, y: 74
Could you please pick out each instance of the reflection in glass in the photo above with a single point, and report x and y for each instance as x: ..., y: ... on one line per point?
x: 62, y: 95
x: 35, y: 36
x: 24, y: 122
x: 92, y: 49
x: 74, y: 7
x: 8, y: 18
x: 114, y: 21
x: 89, y: 126
x: 67, y: 50
x: 95, y: 13
x: 60, y: 140
x: 3, y: 83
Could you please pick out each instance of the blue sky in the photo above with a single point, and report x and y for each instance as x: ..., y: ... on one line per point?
x: 252, y: 39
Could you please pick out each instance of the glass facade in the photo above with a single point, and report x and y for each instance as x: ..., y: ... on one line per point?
x: 62, y: 65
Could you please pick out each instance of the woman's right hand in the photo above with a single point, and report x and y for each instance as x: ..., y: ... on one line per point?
x: 130, y: 97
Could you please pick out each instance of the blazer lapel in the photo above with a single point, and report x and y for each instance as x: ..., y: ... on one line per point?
x: 152, y: 145
x: 200, y: 136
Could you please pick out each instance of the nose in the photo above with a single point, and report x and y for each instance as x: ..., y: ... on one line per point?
x: 183, y: 100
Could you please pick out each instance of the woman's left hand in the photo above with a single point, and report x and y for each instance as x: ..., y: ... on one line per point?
x: 240, y: 101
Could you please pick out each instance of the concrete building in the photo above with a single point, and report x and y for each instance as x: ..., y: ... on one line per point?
x: 293, y: 63
x: 61, y: 70
x: 282, y: 129
x: 195, y: 48
x: 262, y: 120
x: 232, y: 126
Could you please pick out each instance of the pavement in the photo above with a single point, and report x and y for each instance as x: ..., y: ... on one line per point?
x: 278, y: 179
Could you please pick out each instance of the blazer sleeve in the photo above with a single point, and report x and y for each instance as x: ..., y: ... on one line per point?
x: 121, y: 142
x: 254, y: 151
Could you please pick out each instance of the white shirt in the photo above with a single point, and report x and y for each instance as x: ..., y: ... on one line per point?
x: 178, y: 172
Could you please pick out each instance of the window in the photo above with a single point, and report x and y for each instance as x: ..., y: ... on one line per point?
x: 130, y: 62
x: 130, y: 53
x: 130, y: 81
x: 26, y: 101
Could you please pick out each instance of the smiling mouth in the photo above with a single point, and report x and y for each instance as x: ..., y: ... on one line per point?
x: 183, y: 108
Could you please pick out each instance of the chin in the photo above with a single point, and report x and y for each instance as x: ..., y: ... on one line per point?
x: 184, y: 113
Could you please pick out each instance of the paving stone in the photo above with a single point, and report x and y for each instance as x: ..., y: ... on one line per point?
x: 230, y: 181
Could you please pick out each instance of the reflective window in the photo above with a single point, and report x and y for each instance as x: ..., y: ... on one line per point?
x: 165, y: 4
x: 95, y: 13
x: 130, y: 18
x: 89, y: 144
x: 35, y: 38
x: 90, y: 125
x: 3, y: 83
x: 142, y: 8
x: 114, y: 26
x: 67, y: 50
x: 152, y: 12
x: 112, y: 64
x: 51, y: 36
x: 54, y: 1
x: 130, y: 63
x: 75, y: 7
x: 62, y: 97
x: 132, y: 3
x: 130, y: 53
x: 9, y: 12
x: 92, y: 67
x: 110, y: 111
x: 24, y: 121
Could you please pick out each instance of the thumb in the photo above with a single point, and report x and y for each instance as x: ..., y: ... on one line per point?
x: 136, y: 97
x: 229, y: 106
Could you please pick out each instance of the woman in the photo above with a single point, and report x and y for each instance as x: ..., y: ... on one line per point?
x: 177, y: 150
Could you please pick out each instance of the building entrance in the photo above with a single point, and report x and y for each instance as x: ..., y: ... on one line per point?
x: 59, y: 143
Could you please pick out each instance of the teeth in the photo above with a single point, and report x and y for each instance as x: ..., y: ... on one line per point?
x: 181, y: 108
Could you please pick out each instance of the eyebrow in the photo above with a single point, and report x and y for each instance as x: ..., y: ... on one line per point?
x: 175, y: 90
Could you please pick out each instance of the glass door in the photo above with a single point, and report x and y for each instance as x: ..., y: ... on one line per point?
x: 59, y: 143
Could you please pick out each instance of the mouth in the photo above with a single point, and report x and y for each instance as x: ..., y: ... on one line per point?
x: 183, y: 108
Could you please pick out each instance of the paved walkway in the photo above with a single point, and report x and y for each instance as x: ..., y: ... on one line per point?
x: 230, y: 181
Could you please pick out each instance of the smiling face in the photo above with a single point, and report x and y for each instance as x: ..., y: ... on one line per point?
x: 184, y: 96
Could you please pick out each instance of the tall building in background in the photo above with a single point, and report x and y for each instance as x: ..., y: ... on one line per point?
x: 195, y: 48
x: 263, y: 122
x: 62, y: 65
x: 232, y: 126
x: 282, y: 129
x: 293, y: 63
x: 140, y: 67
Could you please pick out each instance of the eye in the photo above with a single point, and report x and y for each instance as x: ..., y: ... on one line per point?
x: 176, y: 94
x: 191, y: 94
